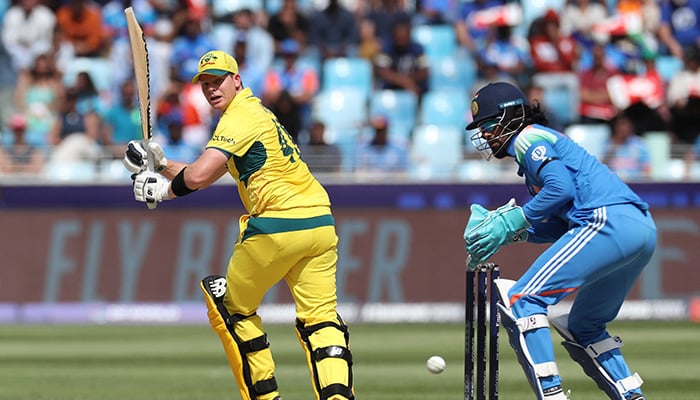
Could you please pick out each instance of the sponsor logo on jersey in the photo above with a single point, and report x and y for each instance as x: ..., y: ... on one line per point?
x: 221, y: 138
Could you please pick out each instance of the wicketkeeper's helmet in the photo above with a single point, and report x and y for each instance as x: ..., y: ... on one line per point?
x: 497, y: 105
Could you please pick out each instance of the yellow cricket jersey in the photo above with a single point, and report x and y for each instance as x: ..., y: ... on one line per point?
x: 272, y: 179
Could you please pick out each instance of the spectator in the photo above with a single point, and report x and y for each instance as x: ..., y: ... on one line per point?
x: 38, y: 93
x: 384, y: 14
x: 20, y: 157
x: 471, y: 35
x: 172, y: 142
x: 289, y: 90
x: 288, y: 23
x: 333, y: 31
x: 369, y: 45
x: 260, y: 45
x: 551, y: 50
x: 255, y: 75
x: 579, y: 17
x: 319, y: 155
x: 535, y: 94
x: 596, y: 106
x: 74, y: 134
x: 27, y: 31
x: 380, y: 154
x: 435, y: 12
x: 402, y: 64
x: 122, y: 121
x: 490, y: 72
x: 89, y: 98
x: 8, y: 84
x: 507, y: 51
x: 187, y: 46
x: 679, y: 25
x: 683, y: 97
x: 627, y: 154
x: 80, y: 22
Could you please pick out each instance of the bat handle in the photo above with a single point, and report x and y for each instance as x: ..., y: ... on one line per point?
x: 151, y: 167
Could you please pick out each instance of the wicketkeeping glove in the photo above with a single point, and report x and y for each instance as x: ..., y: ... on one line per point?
x: 478, y: 214
x: 151, y: 188
x: 505, y: 225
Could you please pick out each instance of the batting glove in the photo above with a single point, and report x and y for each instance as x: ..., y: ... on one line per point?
x: 151, y: 188
x: 135, y: 157
x: 160, y: 163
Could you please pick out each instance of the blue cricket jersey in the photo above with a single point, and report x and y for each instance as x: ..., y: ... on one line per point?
x: 566, y: 181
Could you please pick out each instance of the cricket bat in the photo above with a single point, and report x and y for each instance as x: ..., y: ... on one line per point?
x: 139, y: 53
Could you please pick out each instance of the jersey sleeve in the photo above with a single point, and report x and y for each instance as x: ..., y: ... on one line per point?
x: 233, y: 138
x: 536, y: 154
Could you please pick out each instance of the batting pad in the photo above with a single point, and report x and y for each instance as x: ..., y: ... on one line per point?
x: 328, y: 355
x: 244, y: 341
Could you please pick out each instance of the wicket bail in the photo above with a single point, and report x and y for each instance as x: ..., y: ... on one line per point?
x: 475, y: 346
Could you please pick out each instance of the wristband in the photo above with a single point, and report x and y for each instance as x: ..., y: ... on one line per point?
x: 178, y: 184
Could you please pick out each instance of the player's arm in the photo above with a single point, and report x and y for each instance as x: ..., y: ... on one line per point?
x: 556, y: 191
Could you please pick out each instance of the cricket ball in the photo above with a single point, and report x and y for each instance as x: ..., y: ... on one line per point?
x: 435, y: 364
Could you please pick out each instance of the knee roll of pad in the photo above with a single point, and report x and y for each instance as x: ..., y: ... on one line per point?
x: 237, y: 350
x: 316, y: 354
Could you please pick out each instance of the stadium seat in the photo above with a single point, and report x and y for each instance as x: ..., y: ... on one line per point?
x: 445, y: 108
x: 398, y: 106
x: 98, y: 68
x: 341, y: 108
x: 436, y: 151
x: 437, y: 40
x: 668, y: 66
x: 349, y: 72
x: 452, y: 72
x: 659, y: 144
x: 71, y: 171
x: 561, y: 95
x: 592, y: 137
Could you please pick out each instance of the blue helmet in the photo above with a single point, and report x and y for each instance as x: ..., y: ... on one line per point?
x: 501, y: 109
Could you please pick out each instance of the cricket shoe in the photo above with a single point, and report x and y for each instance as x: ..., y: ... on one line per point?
x: 556, y: 393
x: 636, y: 396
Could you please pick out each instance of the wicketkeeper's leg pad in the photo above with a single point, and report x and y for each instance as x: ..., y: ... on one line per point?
x: 330, y: 361
x: 587, y: 357
x: 246, y: 345
x: 516, y: 328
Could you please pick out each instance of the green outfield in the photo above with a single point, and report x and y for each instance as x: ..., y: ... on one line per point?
x: 186, y: 362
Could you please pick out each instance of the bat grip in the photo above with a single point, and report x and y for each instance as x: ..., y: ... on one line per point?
x: 151, y: 167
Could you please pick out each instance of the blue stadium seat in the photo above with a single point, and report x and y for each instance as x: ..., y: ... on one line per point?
x: 452, y: 72
x: 98, y: 68
x: 398, y: 106
x: 436, y: 151
x: 592, y: 137
x: 349, y: 72
x: 445, y: 108
x: 341, y: 108
x: 667, y: 66
x: 71, y: 171
x: 561, y: 95
x: 437, y: 40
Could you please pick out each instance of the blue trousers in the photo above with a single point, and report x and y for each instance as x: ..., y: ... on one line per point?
x: 599, y: 261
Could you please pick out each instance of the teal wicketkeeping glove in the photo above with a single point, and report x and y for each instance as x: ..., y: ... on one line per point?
x: 478, y: 215
x: 505, y: 225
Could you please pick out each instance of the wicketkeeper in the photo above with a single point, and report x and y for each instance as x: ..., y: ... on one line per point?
x: 288, y: 233
x: 602, y: 236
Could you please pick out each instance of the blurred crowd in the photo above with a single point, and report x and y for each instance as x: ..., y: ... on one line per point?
x: 360, y: 84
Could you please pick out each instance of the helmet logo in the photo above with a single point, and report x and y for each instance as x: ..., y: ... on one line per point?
x: 475, y: 107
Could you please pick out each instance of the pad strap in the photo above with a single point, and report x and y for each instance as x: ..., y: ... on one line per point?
x: 332, y: 351
x: 533, y: 322
x: 255, y: 344
x: 337, y: 388
x: 546, y: 369
x: 630, y: 383
x: 605, y: 345
x: 265, y: 386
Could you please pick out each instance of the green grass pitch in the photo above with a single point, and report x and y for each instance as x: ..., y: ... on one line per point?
x: 187, y: 362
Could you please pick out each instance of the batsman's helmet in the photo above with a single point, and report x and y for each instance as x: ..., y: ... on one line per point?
x: 500, y: 109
